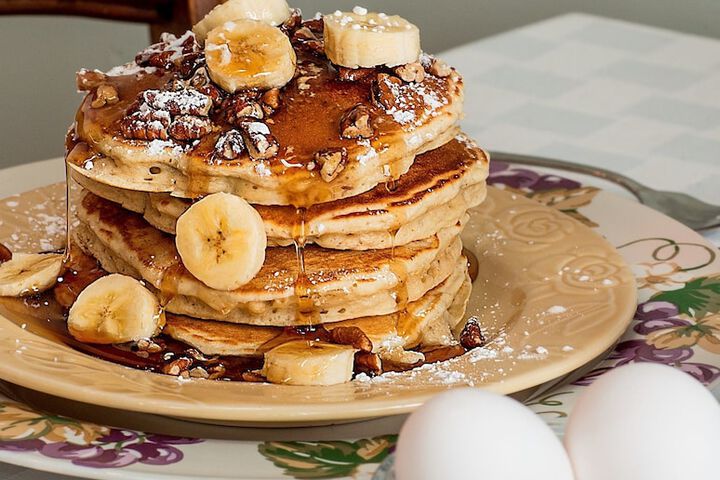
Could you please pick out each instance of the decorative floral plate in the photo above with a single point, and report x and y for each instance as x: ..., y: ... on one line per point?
x: 678, y: 323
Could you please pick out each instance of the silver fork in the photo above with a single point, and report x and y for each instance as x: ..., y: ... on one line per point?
x: 685, y: 209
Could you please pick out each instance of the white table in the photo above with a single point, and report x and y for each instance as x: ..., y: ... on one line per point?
x: 639, y: 100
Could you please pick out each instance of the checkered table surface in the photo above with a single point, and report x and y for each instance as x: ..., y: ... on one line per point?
x: 638, y: 100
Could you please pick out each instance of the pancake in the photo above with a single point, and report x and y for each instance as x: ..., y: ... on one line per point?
x: 435, y: 313
x: 435, y: 193
x: 345, y: 284
x: 415, y: 117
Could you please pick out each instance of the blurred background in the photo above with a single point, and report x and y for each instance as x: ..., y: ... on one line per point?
x: 41, y: 54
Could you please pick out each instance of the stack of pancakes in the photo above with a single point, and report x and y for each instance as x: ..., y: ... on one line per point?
x: 373, y: 244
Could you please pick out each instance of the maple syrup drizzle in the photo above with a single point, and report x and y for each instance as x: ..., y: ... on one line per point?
x: 306, y: 313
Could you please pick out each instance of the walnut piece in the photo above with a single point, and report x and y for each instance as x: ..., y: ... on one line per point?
x: 411, y: 72
x: 368, y: 363
x: 181, y: 102
x: 105, y: 95
x: 385, y: 90
x: 189, y: 127
x: 352, y: 336
x: 471, y: 335
x: 355, y: 123
x: 261, y: 144
x: 331, y: 161
x: 230, y: 145
x: 146, y: 124
x: 87, y: 80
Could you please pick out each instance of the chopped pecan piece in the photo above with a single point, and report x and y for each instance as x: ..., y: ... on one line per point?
x: 354, y: 74
x: 261, y: 144
x: 472, y: 336
x: 399, y: 360
x: 146, y: 124
x: 89, y: 79
x: 241, y: 107
x: 386, y: 90
x: 331, y: 162
x: 253, y: 376
x: 104, y: 95
x: 182, y: 102
x: 440, y: 354
x: 410, y: 72
x: 270, y: 101
x: 368, y: 363
x: 217, y: 371
x: 316, y: 25
x: 178, y: 367
x: 309, y: 40
x: 352, y: 336
x: 189, y: 127
x: 355, y: 123
x: 292, y: 23
x: 199, y: 372
x: 230, y: 145
x: 439, y: 68
x: 5, y: 253
x: 147, y: 345
x: 199, y: 79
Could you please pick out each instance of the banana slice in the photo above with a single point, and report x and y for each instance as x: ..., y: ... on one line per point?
x: 248, y: 54
x: 361, y: 39
x: 221, y: 240
x: 309, y: 363
x: 28, y: 273
x: 272, y: 12
x: 115, y: 309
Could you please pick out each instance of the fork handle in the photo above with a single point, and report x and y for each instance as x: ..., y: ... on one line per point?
x: 626, y: 182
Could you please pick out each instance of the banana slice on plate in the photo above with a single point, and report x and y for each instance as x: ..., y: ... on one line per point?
x: 300, y: 362
x: 361, y: 39
x: 221, y: 240
x: 272, y: 12
x: 247, y: 54
x: 28, y: 273
x: 115, y: 309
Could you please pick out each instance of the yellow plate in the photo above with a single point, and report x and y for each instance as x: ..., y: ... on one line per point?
x: 551, y: 294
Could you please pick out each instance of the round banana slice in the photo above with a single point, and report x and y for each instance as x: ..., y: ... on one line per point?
x: 247, y: 54
x: 272, y: 12
x: 115, y: 309
x: 361, y: 39
x: 221, y: 240
x: 28, y: 273
x: 309, y: 363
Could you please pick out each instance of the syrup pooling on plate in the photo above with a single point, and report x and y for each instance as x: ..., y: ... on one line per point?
x: 327, y: 129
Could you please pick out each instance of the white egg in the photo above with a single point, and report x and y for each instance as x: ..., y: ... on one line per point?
x: 468, y: 433
x: 645, y: 422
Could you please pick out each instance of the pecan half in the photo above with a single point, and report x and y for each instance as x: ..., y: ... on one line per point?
x: 368, y: 363
x: 355, y: 123
x: 332, y: 161
x: 87, y: 80
x: 230, y: 145
x: 471, y: 335
x: 440, y: 354
x: 354, y: 74
x: 261, y: 144
x: 241, y: 107
x: 386, y: 89
x: 352, y: 336
x: 270, y: 101
x: 5, y: 253
x: 410, y: 72
x: 189, y: 127
x: 105, y: 95
x: 182, y: 102
x: 146, y: 124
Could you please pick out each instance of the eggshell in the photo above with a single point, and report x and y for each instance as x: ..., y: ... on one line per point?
x: 645, y: 422
x: 469, y: 434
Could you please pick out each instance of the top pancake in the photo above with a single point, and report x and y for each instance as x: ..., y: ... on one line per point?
x: 423, y: 116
